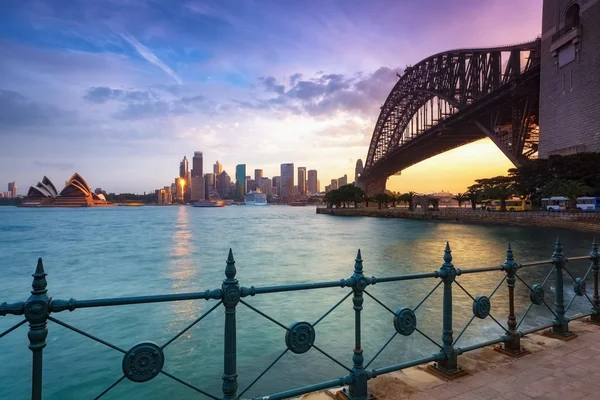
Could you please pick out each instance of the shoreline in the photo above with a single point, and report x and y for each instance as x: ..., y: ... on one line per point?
x: 589, y: 222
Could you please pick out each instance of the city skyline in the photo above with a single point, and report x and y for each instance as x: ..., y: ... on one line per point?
x: 138, y: 86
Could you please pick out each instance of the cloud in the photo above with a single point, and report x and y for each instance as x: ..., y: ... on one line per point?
x: 271, y: 85
x: 140, y: 104
x: 18, y: 111
x: 327, y: 94
x: 149, y: 56
x: 294, y: 78
x: 55, y: 165
x: 102, y: 94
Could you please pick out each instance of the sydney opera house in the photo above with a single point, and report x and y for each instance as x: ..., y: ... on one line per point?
x: 76, y: 193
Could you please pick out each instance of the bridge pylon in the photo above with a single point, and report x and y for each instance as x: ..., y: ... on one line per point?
x: 372, y: 186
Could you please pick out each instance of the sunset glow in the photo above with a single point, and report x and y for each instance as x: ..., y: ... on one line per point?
x: 120, y: 91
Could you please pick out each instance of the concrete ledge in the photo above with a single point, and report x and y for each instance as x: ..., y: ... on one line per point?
x: 589, y: 222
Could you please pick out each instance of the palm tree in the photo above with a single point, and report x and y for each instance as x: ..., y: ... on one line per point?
x: 381, y: 198
x: 461, y: 198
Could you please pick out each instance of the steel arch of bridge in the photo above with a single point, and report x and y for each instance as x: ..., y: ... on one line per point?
x: 478, y: 91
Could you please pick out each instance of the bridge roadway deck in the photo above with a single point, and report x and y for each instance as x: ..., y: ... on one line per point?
x: 555, y: 370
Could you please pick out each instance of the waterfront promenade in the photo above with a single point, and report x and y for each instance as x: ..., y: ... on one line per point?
x: 587, y: 222
x: 555, y: 369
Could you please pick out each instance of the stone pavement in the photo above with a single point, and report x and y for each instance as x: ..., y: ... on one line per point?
x: 554, y: 370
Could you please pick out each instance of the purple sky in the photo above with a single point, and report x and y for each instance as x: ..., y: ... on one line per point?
x: 120, y: 90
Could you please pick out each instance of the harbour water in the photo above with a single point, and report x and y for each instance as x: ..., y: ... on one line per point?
x: 125, y: 251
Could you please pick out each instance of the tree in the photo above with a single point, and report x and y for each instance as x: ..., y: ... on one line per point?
x: 332, y: 198
x: 533, y: 176
x: 366, y: 199
x: 407, y: 198
x: 344, y: 195
x: 567, y: 188
x: 474, y: 194
x: 498, y: 187
x: 393, y: 197
x: 461, y: 198
x: 381, y: 198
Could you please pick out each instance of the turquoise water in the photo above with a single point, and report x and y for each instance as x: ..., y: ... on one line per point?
x: 122, y: 251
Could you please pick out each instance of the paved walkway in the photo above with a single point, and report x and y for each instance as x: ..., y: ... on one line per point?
x: 554, y: 370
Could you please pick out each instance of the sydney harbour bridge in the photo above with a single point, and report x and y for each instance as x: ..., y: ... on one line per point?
x: 453, y: 98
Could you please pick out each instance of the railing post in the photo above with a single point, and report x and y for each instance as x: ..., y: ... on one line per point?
x: 36, y: 312
x: 357, y: 390
x: 511, y: 346
x: 561, y: 323
x: 231, y: 297
x: 448, y: 366
x: 595, y: 256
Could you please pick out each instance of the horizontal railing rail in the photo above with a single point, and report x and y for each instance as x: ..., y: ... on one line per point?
x: 146, y: 360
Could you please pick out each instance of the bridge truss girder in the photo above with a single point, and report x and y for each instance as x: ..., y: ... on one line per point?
x: 472, y: 88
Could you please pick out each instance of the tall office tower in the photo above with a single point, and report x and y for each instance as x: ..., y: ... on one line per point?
x: 251, y: 185
x: 224, y: 184
x: 217, y: 168
x: 358, y: 170
x: 343, y: 181
x: 287, y: 180
x: 183, y: 168
x: 318, y: 186
x: 240, y: 181
x: 312, y: 182
x: 301, y: 181
x: 197, y: 164
x: 258, y: 173
x: 276, y: 185
x: 180, y: 187
x: 168, y: 196
x: 210, y: 183
x: 12, y: 189
x: 198, y: 190
x: 266, y: 186
x: 334, y: 184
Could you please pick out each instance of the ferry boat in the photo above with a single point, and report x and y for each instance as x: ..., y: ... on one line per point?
x: 255, y: 198
x: 208, y: 203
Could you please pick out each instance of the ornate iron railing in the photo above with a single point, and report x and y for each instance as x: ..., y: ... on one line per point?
x: 146, y: 360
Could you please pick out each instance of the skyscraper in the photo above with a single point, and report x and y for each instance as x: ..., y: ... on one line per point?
x: 197, y: 164
x: 258, y: 173
x: 12, y: 189
x: 240, y: 180
x: 217, y: 168
x: 210, y: 185
x: 183, y: 168
x: 223, y: 184
x: 287, y: 180
x: 301, y: 181
x: 197, y: 186
x: 266, y: 186
x: 312, y: 182
x: 276, y: 185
